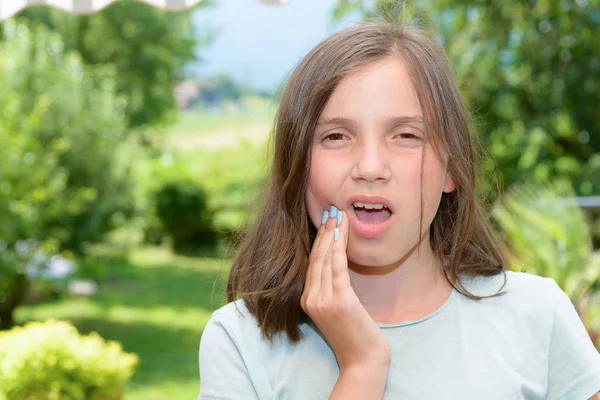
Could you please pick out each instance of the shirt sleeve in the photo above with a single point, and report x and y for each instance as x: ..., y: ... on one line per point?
x: 574, y: 362
x: 223, y: 373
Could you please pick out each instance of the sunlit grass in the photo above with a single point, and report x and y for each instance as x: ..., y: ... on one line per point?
x: 228, y: 126
x: 165, y: 390
x: 157, y: 309
x: 202, y: 121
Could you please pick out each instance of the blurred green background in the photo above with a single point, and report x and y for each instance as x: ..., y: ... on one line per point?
x: 124, y: 175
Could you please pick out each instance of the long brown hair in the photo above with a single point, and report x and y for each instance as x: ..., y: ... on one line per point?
x: 269, y: 269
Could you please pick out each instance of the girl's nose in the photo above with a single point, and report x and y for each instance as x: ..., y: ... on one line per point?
x: 371, y: 162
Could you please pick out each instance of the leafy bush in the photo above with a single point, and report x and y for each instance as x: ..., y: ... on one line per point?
x: 229, y: 180
x: 184, y: 214
x: 52, y: 361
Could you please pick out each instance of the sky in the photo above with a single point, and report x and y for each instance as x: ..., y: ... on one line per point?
x: 259, y: 44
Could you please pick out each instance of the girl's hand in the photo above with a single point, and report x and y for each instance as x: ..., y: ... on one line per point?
x: 332, y: 304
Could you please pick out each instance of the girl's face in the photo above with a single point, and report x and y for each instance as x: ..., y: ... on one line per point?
x: 369, y: 150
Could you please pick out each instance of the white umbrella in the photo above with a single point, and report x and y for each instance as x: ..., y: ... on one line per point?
x: 10, y: 7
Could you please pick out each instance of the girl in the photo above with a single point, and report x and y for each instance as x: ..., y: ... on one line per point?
x: 371, y: 272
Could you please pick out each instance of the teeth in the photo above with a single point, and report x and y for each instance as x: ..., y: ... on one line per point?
x: 369, y: 206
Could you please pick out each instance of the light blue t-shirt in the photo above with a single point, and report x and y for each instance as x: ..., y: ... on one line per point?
x: 528, y: 344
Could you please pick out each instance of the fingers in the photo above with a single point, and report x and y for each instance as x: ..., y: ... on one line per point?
x: 319, y: 236
x: 320, y: 259
x: 336, y: 260
x: 339, y: 258
x: 320, y: 250
x: 326, y: 279
x: 312, y: 255
x: 312, y: 281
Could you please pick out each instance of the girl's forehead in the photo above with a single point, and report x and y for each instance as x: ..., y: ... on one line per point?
x: 381, y: 90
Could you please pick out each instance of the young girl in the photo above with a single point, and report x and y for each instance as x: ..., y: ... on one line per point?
x: 371, y: 272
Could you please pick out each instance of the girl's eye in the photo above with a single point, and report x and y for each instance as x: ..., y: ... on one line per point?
x: 335, y: 136
x: 408, y: 136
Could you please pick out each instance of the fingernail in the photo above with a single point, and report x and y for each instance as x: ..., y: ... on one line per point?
x: 336, y: 233
x: 333, y: 211
x: 325, y: 216
x: 339, y: 217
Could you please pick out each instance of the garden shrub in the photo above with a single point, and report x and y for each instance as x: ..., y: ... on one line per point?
x: 184, y: 214
x: 52, y: 361
x: 204, y: 195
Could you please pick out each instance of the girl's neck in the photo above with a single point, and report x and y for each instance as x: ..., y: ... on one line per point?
x: 407, y: 290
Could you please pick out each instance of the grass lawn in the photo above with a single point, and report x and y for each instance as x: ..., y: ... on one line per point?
x: 156, y: 304
x: 202, y: 122
x: 225, y: 127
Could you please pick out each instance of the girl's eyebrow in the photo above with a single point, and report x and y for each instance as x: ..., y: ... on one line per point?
x: 394, y: 121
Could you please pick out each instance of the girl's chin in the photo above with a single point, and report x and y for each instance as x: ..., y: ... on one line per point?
x: 378, y: 257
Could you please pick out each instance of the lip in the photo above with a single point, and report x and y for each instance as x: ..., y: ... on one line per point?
x: 368, y: 230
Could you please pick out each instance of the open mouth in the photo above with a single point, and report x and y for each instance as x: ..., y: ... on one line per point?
x: 371, y: 215
x: 370, y: 220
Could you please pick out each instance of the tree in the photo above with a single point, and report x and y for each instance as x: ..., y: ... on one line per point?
x: 147, y: 46
x: 65, y: 174
x: 530, y: 72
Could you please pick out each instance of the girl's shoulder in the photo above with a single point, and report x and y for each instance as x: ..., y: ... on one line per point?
x: 525, y: 299
x: 235, y: 316
x: 517, y: 286
x: 236, y: 323
x: 237, y: 307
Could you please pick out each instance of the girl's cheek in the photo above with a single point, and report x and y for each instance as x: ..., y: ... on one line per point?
x: 411, y: 174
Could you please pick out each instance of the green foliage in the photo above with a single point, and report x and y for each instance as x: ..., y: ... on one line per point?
x: 65, y: 175
x: 65, y: 171
x: 51, y: 360
x: 146, y: 45
x: 534, y: 85
x: 530, y: 72
x: 395, y: 11
x: 184, y: 214
x: 547, y: 235
x: 233, y: 179
x: 345, y: 7
x: 230, y: 180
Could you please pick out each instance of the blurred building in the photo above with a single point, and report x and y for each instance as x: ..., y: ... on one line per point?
x: 186, y: 92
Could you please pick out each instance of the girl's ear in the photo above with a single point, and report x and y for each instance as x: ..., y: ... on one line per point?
x: 449, y: 183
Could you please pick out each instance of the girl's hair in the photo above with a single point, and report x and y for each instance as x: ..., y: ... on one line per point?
x: 269, y: 269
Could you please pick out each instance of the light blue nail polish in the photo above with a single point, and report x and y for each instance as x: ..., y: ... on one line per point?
x: 333, y: 211
x: 339, y: 217
x: 325, y: 216
x: 336, y: 233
